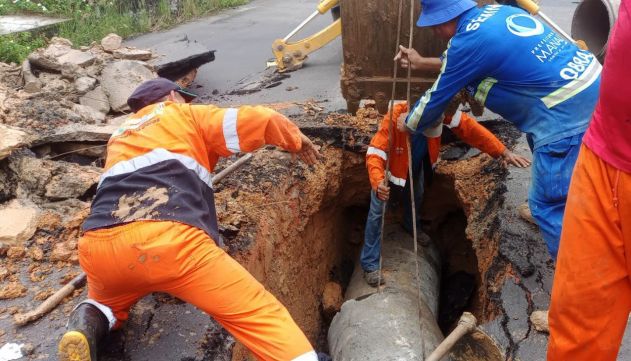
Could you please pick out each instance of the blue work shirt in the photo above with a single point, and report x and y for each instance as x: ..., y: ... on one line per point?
x: 518, y: 68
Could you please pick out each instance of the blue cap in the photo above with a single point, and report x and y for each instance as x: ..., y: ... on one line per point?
x: 153, y: 90
x: 435, y: 12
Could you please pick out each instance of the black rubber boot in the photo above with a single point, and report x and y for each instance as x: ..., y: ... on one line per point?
x: 86, y: 328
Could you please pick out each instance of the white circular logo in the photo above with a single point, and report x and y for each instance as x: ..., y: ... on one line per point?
x: 528, y: 27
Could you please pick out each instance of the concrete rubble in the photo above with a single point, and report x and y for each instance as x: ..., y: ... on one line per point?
x: 12, y: 139
x: 19, y: 223
x: 111, y: 42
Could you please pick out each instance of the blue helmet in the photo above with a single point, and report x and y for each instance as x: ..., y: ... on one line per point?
x: 435, y: 12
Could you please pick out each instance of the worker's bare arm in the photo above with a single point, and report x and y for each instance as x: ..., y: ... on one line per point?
x: 410, y: 57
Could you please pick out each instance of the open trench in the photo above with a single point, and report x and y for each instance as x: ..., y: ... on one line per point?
x: 299, y: 231
x: 311, y: 227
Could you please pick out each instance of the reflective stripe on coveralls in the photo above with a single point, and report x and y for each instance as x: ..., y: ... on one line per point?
x: 153, y: 227
x: 156, y: 156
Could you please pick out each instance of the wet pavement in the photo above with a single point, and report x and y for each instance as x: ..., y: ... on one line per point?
x: 243, y: 39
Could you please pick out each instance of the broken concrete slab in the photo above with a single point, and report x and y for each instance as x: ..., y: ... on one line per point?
x: 97, y: 100
x: 111, y: 42
x: 132, y: 54
x: 89, y: 114
x: 119, y: 79
x: 54, y: 180
x: 18, y: 223
x: 77, y: 57
x: 72, y: 71
x: 32, y: 174
x: 177, y: 56
x: 79, y: 133
x: 12, y: 139
x: 72, y: 182
x: 48, y: 58
x: 31, y: 83
x: 84, y: 84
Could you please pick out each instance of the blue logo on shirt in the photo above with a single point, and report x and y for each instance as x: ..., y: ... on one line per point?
x: 524, y: 25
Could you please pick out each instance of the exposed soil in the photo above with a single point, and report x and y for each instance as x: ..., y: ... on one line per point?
x: 287, y: 223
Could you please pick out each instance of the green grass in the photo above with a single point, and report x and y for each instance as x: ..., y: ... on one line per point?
x: 91, y: 20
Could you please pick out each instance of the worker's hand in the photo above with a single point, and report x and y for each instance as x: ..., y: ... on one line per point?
x: 401, y: 125
x: 308, y: 152
x: 509, y: 157
x: 408, y: 57
x: 383, y: 191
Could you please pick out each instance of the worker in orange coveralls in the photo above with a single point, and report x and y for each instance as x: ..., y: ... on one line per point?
x: 591, y: 293
x: 153, y: 225
x: 463, y: 125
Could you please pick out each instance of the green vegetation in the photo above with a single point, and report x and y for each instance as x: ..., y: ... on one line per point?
x: 91, y: 20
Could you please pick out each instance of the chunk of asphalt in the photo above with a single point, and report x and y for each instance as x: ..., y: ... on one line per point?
x: 178, y: 55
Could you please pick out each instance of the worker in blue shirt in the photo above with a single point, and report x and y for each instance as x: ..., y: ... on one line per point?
x: 522, y: 70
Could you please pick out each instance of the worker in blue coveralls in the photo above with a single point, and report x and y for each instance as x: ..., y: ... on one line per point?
x: 522, y: 70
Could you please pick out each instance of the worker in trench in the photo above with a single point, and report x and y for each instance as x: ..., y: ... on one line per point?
x: 591, y: 293
x: 521, y: 69
x: 153, y: 225
x: 425, y: 149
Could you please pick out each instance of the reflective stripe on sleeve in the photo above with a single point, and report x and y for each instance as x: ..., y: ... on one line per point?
x: 396, y: 180
x: 230, y: 130
x: 417, y: 113
x: 378, y: 152
x: 589, y: 76
x: 483, y: 90
x: 154, y: 157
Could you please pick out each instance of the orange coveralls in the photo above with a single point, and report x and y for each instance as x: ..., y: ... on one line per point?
x: 140, y: 243
x: 591, y: 293
x: 462, y: 124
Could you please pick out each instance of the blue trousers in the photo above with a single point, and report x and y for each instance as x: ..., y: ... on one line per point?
x: 371, y: 251
x: 552, y: 168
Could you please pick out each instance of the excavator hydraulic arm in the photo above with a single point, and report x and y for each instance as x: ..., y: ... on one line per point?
x: 291, y: 55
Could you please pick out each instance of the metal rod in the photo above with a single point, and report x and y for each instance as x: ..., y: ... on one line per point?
x: 302, y: 25
x: 467, y: 324
x: 231, y: 168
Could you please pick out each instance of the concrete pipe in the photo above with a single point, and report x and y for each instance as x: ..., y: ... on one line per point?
x: 592, y: 23
x: 374, y: 326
